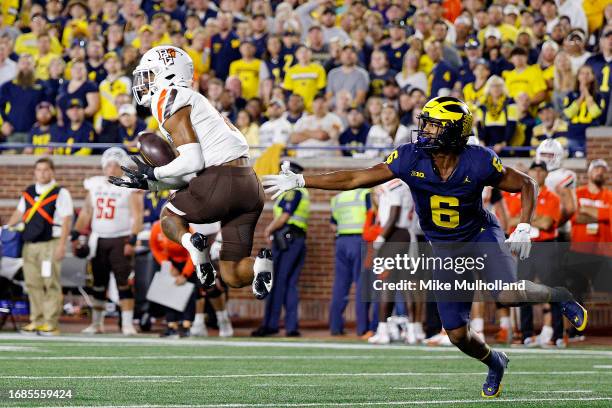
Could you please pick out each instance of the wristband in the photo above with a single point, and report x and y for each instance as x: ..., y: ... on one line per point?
x: 74, y: 235
x: 132, y: 239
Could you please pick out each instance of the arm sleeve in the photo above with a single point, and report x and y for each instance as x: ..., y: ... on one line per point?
x: 189, y: 160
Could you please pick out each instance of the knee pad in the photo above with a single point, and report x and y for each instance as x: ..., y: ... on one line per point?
x: 126, y: 293
x: 99, y: 293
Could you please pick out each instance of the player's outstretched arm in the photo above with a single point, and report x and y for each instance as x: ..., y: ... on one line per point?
x: 514, y: 181
x: 337, y: 180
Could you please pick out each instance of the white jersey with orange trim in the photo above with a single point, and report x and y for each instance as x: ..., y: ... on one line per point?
x: 219, y: 139
x: 111, y: 216
x: 561, y: 178
x: 396, y: 193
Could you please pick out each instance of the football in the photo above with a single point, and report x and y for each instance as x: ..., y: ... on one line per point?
x: 154, y: 150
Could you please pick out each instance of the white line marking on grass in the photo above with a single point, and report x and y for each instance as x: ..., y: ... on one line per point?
x: 602, y: 366
x: 565, y: 391
x: 233, y: 357
x: 418, y: 388
x: 263, y: 375
x: 154, y: 381
x: 352, y: 404
x: 291, y: 385
x: 20, y: 348
x: 154, y: 341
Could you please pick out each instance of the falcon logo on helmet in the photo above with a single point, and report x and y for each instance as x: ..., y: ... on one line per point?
x: 161, y: 67
x: 551, y: 152
x: 445, y: 124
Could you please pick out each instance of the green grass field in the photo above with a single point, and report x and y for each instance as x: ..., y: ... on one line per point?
x: 114, y: 371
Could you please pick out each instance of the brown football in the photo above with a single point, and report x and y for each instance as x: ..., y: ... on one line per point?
x: 154, y: 150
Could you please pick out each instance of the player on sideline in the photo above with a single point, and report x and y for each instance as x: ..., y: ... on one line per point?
x: 214, y: 159
x: 115, y: 215
x: 446, y: 178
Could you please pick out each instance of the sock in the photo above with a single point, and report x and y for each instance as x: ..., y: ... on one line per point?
x: 488, y: 359
x: 97, y: 314
x: 418, y: 327
x: 199, y: 319
x: 477, y: 324
x: 222, y: 316
x: 504, y: 322
x: 546, y: 333
x: 127, y: 317
x: 560, y: 294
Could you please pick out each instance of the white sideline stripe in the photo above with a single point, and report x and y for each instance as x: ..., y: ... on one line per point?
x: 348, y: 404
x: 418, y: 388
x: 234, y: 357
x: 19, y: 348
x: 151, y: 341
x: 602, y: 366
x: 263, y: 375
x: 291, y: 385
x: 154, y: 381
x: 565, y: 391
x: 260, y: 357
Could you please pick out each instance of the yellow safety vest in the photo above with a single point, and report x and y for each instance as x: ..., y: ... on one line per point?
x: 300, y: 216
x: 349, y: 211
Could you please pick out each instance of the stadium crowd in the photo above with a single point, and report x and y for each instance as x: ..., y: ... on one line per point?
x: 323, y: 74
x: 316, y: 73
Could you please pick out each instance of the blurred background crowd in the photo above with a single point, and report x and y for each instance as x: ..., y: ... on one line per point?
x: 318, y: 74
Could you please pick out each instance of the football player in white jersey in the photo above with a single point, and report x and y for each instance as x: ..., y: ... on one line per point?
x: 563, y: 182
x: 214, y: 158
x: 115, y: 215
x: 397, y: 217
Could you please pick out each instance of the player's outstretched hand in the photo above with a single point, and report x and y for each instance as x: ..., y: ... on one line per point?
x: 143, y: 170
x: 286, y: 180
x: 139, y: 183
x: 520, y: 241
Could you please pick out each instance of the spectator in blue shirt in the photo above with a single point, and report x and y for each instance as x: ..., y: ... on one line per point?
x: 443, y: 76
x: 130, y: 126
x: 77, y: 131
x: 396, y: 49
x: 225, y: 47
x: 18, y: 100
x: 81, y: 88
x: 43, y: 129
x: 356, y: 133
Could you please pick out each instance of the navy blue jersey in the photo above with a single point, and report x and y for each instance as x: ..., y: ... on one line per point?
x: 395, y: 56
x: 448, y: 210
x: 224, y: 52
x: 356, y: 139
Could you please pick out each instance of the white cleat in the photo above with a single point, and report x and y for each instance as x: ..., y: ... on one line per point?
x: 199, y: 330
x: 129, y: 330
x: 440, y: 339
x: 93, y: 329
x: 226, y: 329
x: 381, y: 336
x: 410, y: 334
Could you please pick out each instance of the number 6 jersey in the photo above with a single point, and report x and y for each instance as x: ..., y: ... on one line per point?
x: 448, y: 210
x: 111, y: 216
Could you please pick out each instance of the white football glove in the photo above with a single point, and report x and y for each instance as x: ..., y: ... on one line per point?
x: 287, y: 180
x: 378, y: 242
x: 520, y: 241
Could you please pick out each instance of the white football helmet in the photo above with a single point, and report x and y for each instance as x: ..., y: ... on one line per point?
x: 115, y: 154
x: 161, y: 67
x: 550, y: 152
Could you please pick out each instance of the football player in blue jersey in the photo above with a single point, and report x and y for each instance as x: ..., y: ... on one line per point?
x: 446, y: 178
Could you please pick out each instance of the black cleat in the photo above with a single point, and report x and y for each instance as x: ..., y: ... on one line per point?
x: 206, y: 274
x: 199, y: 241
x: 263, y: 332
x: 263, y: 268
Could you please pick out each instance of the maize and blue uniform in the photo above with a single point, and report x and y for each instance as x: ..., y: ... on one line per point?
x: 349, y: 214
x: 452, y: 211
x: 288, y: 257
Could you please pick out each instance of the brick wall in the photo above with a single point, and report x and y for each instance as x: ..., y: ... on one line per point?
x: 317, y: 276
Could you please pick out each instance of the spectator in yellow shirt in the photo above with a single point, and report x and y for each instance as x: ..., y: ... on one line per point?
x: 525, y: 78
x: 44, y: 57
x: 305, y: 78
x: 249, y: 128
x: 28, y: 43
x: 76, y: 25
x: 247, y: 69
x: 496, y: 17
x: 114, y: 84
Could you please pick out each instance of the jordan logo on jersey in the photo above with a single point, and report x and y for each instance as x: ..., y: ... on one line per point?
x: 167, y: 55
